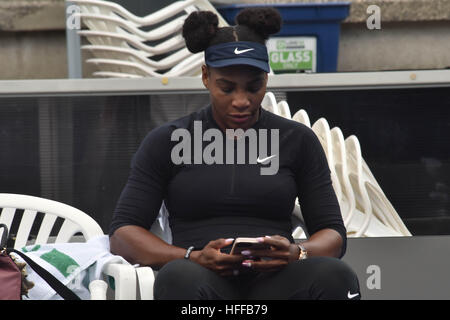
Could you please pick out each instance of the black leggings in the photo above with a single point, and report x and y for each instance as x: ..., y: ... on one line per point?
x: 312, y: 278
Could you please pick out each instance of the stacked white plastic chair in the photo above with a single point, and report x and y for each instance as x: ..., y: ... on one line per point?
x: 123, y: 49
x: 270, y: 103
x: 366, y: 211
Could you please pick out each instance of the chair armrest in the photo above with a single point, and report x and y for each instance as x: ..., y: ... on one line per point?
x: 124, y: 278
x: 146, y: 279
x: 98, y: 288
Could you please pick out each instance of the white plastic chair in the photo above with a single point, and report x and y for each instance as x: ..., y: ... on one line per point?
x: 75, y: 222
x: 269, y: 103
x: 345, y: 198
x: 353, y: 218
x: 118, y: 43
x: 347, y: 201
x: 284, y: 109
x: 381, y: 206
x: 114, y: 9
x: 118, y: 24
x: 185, y: 68
x: 299, y: 232
x: 108, y: 49
x: 340, y: 166
x: 98, y: 289
x: 354, y: 165
x: 125, y: 40
x: 124, y: 53
x: 322, y: 129
x: 381, y: 202
x: 302, y: 117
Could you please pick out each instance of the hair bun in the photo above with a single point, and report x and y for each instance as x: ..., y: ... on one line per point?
x: 198, y: 30
x: 265, y: 21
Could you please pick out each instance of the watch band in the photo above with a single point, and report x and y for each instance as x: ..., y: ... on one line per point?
x: 303, y: 253
x: 188, y: 252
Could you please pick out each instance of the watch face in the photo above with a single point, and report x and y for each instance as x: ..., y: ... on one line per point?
x: 303, y: 253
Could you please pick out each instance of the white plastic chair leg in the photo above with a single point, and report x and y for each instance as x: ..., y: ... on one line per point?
x: 146, y: 279
x: 124, y: 279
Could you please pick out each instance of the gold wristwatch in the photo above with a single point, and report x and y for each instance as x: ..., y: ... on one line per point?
x: 303, y: 253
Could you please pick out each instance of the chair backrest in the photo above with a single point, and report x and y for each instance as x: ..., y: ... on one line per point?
x: 283, y: 106
x: 302, y: 117
x: 322, y: 129
x: 269, y: 103
x: 113, y: 26
x: 43, y: 214
x: 114, y: 9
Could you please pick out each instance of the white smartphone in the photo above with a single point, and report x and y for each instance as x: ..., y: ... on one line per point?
x: 241, y: 244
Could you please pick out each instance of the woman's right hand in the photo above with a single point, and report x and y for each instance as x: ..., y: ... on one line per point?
x: 212, y: 258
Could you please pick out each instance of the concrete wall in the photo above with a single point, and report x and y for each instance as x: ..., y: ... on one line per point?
x: 397, y: 46
x: 415, y: 34
x: 33, y: 55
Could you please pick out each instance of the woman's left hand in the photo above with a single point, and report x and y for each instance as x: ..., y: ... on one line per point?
x: 281, y: 252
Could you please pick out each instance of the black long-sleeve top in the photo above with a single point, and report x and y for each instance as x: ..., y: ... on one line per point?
x: 211, y: 201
